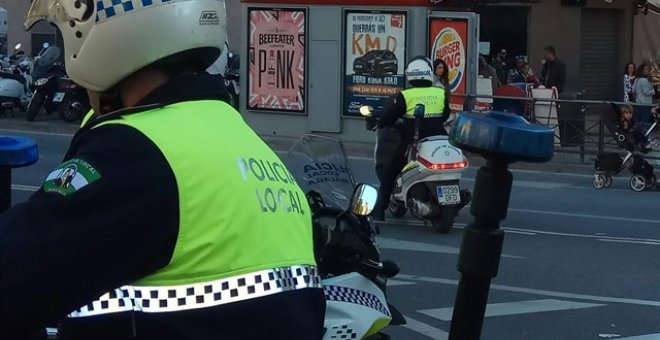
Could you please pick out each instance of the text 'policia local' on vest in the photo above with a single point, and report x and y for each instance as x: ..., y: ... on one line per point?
x: 432, y: 97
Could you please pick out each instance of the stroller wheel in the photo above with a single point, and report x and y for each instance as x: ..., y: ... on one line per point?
x: 608, y: 181
x: 638, y: 183
x: 599, y: 181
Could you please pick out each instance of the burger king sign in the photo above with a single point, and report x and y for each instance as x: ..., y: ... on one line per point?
x: 449, y: 46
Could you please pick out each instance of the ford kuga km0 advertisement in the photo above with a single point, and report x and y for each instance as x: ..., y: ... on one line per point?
x: 377, y: 62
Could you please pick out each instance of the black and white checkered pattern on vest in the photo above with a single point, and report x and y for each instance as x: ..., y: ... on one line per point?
x: 156, y: 299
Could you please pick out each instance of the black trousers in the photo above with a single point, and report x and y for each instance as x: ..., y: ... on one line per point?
x: 390, y: 157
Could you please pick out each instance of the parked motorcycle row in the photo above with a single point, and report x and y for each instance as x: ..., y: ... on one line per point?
x: 40, y: 84
x: 33, y: 85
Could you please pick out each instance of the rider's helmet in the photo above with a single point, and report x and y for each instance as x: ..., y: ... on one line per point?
x: 105, y: 41
x: 419, y: 71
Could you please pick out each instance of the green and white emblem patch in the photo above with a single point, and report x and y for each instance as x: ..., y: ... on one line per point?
x: 70, y: 176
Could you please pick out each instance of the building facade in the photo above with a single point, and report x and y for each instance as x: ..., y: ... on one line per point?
x: 594, y: 40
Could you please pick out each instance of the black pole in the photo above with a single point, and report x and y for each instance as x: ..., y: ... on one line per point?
x: 481, y: 248
x: 5, y: 188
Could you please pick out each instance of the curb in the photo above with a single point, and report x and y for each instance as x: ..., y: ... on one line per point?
x: 561, y: 163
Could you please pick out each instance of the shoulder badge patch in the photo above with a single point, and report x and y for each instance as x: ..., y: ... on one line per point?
x: 70, y: 176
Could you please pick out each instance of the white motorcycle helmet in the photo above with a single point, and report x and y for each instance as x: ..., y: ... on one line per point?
x: 419, y: 71
x: 105, y: 41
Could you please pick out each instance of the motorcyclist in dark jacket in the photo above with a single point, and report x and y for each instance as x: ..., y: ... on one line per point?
x: 393, y: 138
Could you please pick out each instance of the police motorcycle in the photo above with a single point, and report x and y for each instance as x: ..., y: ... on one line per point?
x: 15, y: 80
x: 354, y: 282
x: 429, y: 184
x: 54, y: 91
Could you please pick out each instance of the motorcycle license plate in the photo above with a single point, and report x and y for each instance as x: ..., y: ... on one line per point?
x: 58, y: 97
x: 448, y: 194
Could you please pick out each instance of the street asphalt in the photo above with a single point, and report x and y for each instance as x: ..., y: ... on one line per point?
x: 578, y: 263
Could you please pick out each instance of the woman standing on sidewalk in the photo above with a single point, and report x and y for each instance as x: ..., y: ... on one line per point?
x: 644, y: 93
x: 441, y: 72
x: 629, y: 82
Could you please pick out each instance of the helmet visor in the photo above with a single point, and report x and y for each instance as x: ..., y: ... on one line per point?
x: 40, y: 10
x: 58, y: 11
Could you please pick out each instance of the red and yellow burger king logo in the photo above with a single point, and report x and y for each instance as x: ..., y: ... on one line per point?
x: 449, y: 47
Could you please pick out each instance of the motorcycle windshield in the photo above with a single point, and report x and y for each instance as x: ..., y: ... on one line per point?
x: 50, y: 56
x: 320, y: 164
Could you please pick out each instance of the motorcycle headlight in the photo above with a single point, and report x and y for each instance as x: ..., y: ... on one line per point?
x: 41, y: 82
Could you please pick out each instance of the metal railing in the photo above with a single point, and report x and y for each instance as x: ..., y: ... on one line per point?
x: 579, y: 128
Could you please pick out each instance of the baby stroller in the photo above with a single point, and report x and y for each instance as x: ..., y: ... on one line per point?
x: 611, y: 164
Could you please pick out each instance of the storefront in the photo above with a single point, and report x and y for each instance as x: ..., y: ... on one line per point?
x: 310, y: 65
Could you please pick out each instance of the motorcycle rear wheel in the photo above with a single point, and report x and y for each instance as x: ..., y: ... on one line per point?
x: 34, y: 106
x: 443, y: 222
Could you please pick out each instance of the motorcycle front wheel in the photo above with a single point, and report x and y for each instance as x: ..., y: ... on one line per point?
x: 397, y: 209
x: 443, y: 222
x: 67, y: 112
x: 34, y: 106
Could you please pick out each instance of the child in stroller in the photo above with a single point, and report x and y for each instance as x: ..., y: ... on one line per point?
x: 632, y: 139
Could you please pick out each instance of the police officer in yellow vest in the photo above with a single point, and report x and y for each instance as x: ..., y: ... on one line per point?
x: 177, y: 222
x: 390, y: 157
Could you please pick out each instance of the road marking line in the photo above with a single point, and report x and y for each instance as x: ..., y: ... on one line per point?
x: 395, y: 244
x: 59, y: 134
x: 424, y: 329
x: 394, y: 283
x: 627, y: 241
x: 19, y: 187
x: 534, y: 232
x: 655, y: 336
x: 549, y: 293
x: 531, y: 184
x: 513, y: 308
x: 520, y: 232
x: 508, y: 229
x: 600, y: 217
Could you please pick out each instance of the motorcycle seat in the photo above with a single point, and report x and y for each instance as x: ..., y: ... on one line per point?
x: 18, y: 78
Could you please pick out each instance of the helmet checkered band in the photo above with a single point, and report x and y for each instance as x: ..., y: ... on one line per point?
x: 107, y: 9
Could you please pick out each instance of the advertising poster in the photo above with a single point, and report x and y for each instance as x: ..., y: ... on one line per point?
x: 448, y: 41
x: 276, y: 79
x: 374, y: 59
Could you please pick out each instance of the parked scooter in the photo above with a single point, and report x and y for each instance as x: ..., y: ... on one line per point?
x: 354, y: 283
x: 429, y: 185
x: 54, y: 90
x: 232, y: 77
x: 227, y: 66
x: 15, y: 81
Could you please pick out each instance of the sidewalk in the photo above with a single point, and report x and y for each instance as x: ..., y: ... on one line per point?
x: 562, y: 162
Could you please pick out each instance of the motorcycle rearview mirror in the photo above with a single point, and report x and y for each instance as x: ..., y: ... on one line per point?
x: 366, y: 111
x: 364, y: 199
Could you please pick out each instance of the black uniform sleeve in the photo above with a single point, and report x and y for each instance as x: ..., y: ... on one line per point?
x: 447, y: 111
x: 393, y: 111
x: 58, y: 253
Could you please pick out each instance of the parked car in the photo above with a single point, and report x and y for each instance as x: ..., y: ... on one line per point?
x: 376, y: 63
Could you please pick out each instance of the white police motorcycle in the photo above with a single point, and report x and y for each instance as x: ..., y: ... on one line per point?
x: 16, y: 81
x: 354, y: 283
x: 429, y: 184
